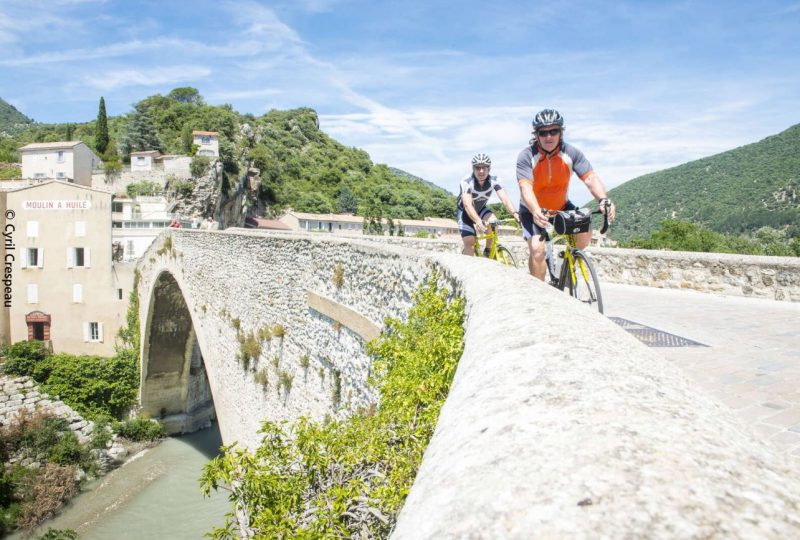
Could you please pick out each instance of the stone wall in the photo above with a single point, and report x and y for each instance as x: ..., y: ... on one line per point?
x: 21, y: 393
x: 776, y: 278
x: 548, y: 431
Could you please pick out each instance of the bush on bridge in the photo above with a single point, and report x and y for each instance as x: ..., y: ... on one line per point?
x: 350, y: 477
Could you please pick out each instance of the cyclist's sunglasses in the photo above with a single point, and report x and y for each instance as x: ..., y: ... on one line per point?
x: 552, y: 132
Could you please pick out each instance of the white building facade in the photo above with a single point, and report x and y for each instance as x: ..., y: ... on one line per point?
x: 70, y: 161
x: 135, y: 223
x: 61, y: 286
x: 207, y: 143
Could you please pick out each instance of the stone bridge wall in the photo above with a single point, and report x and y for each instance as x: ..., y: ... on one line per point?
x: 550, y: 432
x: 776, y: 278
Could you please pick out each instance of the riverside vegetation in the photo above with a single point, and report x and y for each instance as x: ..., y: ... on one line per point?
x: 348, y: 478
x: 100, y: 389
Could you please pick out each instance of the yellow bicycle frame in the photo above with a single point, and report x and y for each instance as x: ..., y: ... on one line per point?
x: 494, y: 251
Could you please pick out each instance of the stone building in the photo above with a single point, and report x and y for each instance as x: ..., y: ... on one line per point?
x: 60, y: 285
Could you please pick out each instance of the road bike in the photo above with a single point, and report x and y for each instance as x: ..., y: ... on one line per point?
x: 569, y: 267
x: 497, y: 251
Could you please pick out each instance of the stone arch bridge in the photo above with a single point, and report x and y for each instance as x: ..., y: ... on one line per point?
x: 540, y: 436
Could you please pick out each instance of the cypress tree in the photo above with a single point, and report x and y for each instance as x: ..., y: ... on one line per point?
x: 101, y: 129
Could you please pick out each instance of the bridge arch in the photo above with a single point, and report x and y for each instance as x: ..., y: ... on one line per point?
x: 174, y: 381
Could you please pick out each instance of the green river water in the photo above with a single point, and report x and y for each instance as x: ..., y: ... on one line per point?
x: 153, y: 496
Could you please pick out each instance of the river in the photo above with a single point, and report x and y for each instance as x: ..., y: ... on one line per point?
x: 153, y: 496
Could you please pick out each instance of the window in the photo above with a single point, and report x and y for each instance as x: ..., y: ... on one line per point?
x: 80, y: 228
x: 60, y: 175
x: 77, y: 293
x: 129, y: 253
x: 205, y: 140
x: 78, y: 257
x: 116, y: 207
x: 93, y: 331
x: 119, y: 294
x: 33, y: 229
x: 34, y: 258
x: 33, y: 293
x: 39, y: 175
x: 60, y: 156
x: 140, y: 160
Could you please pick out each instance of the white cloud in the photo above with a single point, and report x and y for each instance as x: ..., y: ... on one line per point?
x: 147, y: 77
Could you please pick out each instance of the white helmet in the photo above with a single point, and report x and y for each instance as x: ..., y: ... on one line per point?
x: 481, y: 159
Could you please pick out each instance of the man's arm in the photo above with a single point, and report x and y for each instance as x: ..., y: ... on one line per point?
x: 507, y: 203
x: 469, y: 208
x: 598, y: 191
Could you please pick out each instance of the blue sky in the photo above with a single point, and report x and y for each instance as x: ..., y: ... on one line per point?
x: 423, y: 86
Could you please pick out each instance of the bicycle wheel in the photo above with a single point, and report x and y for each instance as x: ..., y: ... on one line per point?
x: 504, y: 256
x: 586, y: 287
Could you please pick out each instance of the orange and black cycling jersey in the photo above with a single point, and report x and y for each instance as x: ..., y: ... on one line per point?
x: 551, y: 174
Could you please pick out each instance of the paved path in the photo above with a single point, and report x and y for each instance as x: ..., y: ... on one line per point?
x: 752, y: 362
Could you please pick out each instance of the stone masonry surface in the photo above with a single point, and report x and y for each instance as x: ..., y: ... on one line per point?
x: 552, y: 431
x: 776, y: 278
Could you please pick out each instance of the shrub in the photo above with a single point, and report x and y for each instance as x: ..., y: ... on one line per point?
x: 23, y: 356
x: 144, y: 188
x: 184, y: 188
x: 353, y: 474
x: 139, y: 429
x: 262, y: 377
x: 305, y: 361
x: 278, y: 331
x: 199, y: 166
x: 285, y: 380
x: 338, y: 276
x: 251, y: 348
x: 44, y: 493
x: 100, y: 434
x: 59, y: 534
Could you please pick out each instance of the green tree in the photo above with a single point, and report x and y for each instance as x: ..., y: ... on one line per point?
x: 140, y: 133
x: 347, y: 203
x: 186, y: 94
x: 101, y: 128
x: 315, y: 203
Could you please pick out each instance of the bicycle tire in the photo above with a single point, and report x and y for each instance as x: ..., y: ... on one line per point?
x: 587, y: 286
x: 504, y: 256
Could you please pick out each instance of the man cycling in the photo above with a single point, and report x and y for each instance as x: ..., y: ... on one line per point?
x: 543, y: 171
x: 472, y: 212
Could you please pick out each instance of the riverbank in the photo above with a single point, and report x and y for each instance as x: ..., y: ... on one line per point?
x: 155, y: 494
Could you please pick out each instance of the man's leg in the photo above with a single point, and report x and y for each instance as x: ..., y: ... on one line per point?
x: 583, y: 239
x: 536, y: 263
x: 469, y: 245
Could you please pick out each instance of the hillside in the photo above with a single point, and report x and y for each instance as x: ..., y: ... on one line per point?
x: 737, y: 191
x: 11, y: 118
x: 301, y: 167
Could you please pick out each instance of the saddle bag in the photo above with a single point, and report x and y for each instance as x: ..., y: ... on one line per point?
x: 572, y: 222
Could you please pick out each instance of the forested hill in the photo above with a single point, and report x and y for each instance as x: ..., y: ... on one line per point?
x: 737, y: 191
x: 301, y: 167
x: 11, y: 119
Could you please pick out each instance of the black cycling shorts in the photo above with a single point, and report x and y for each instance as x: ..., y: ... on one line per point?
x: 529, y: 227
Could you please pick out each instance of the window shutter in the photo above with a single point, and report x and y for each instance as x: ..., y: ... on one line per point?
x: 77, y: 293
x: 80, y: 228
x: 33, y: 229
x: 70, y: 257
x: 87, y: 260
x: 41, y: 257
x: 33, y: 293
x: 100, y: 332
x: 86, y: 331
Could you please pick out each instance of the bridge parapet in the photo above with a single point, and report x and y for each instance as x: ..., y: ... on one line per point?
x: 558, y: 424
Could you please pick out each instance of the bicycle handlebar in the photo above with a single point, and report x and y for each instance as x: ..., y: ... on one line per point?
x: 603, y: 230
